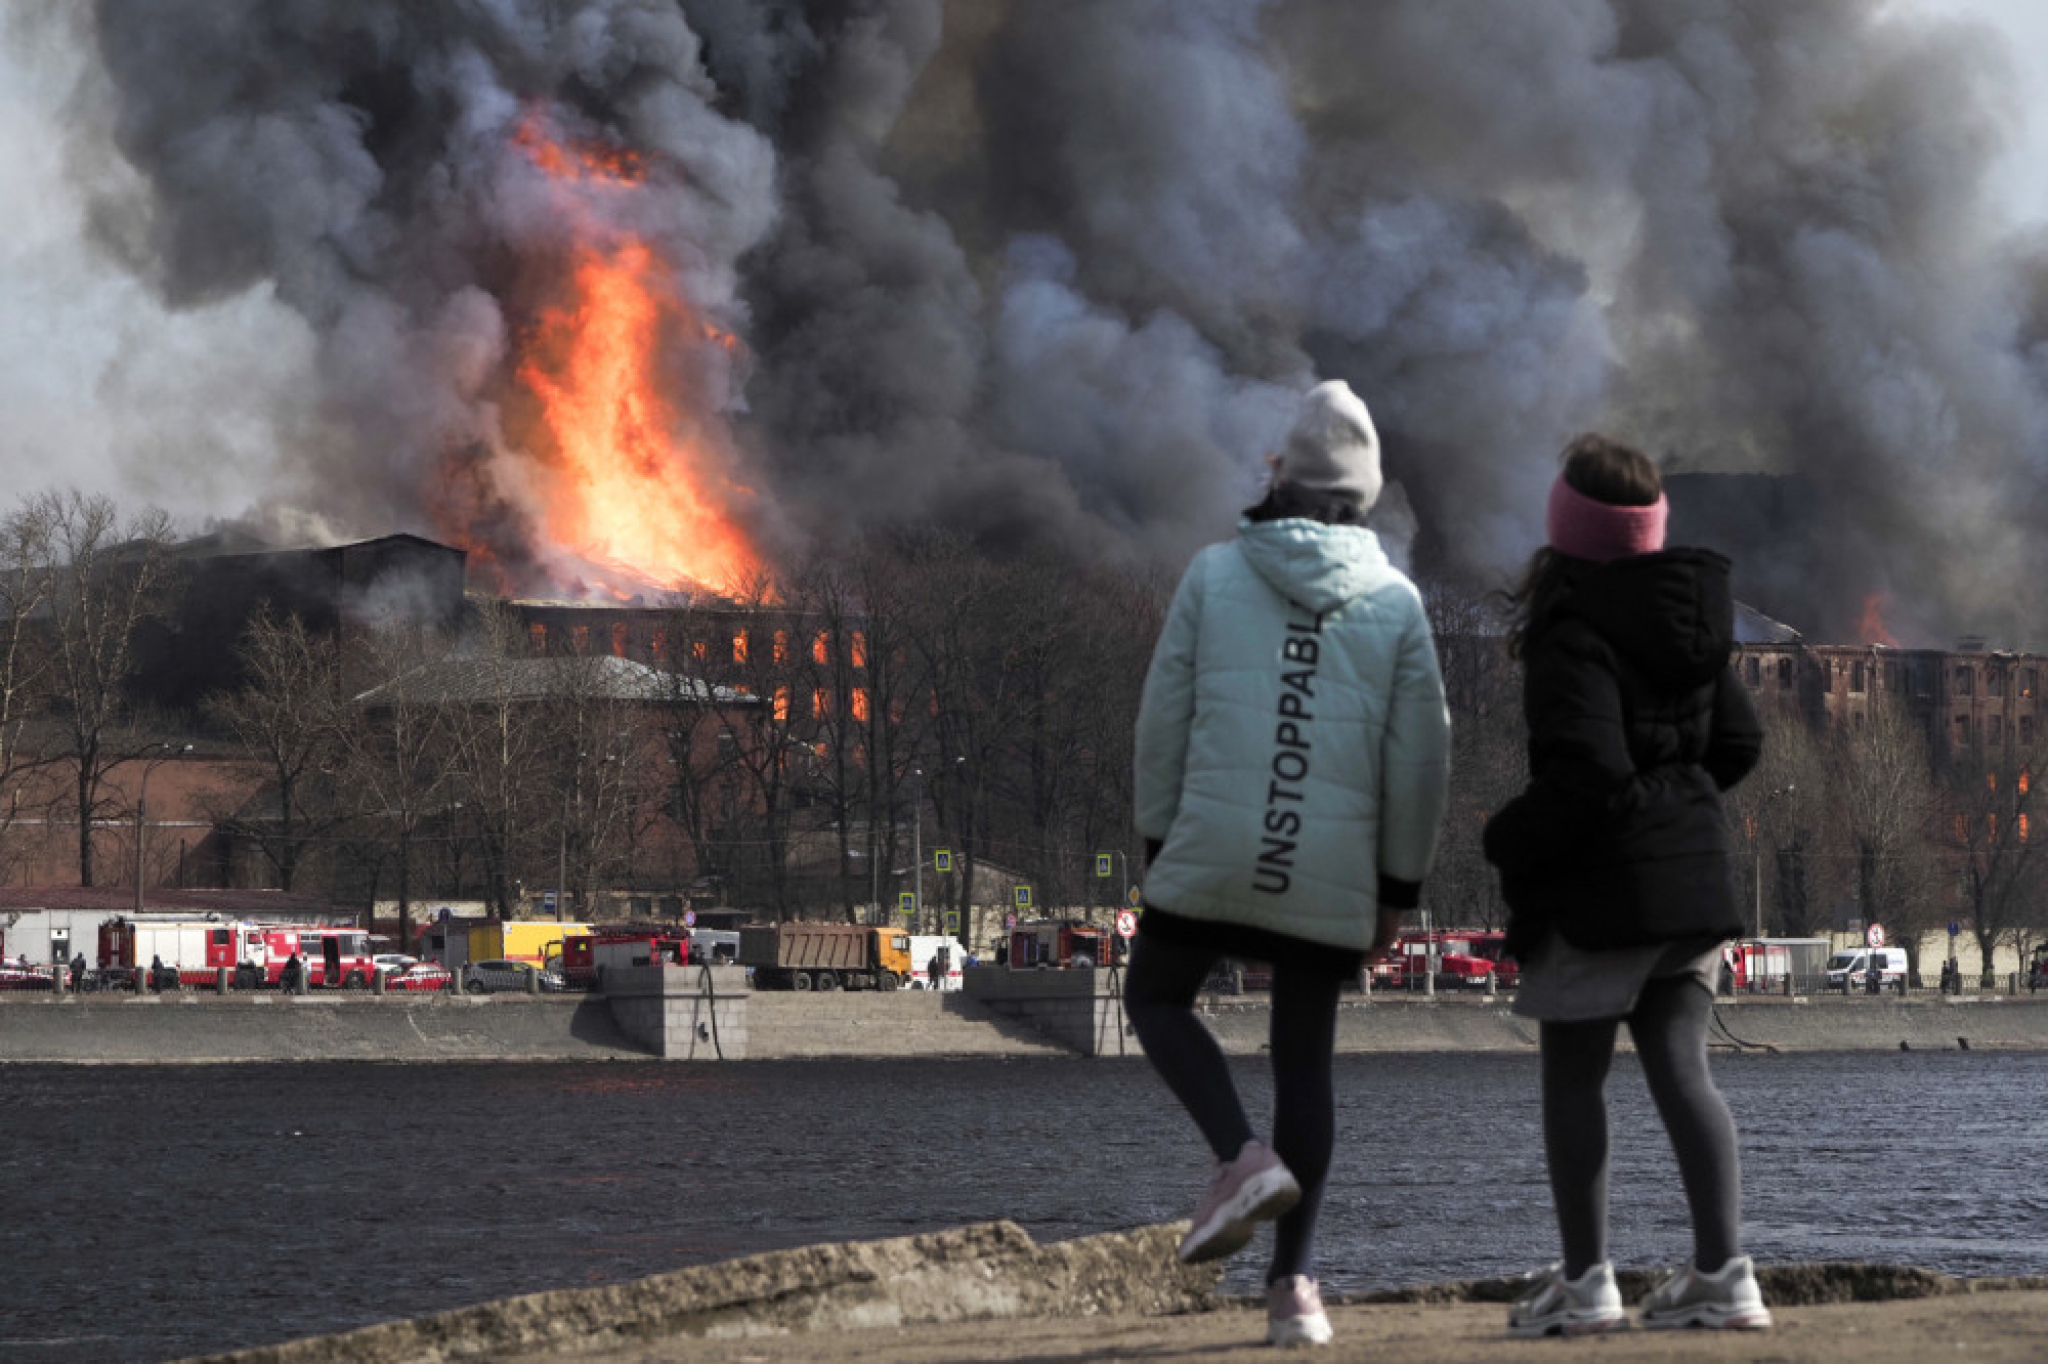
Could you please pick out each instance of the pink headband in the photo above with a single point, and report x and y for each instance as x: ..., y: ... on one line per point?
x: 1589, y: 529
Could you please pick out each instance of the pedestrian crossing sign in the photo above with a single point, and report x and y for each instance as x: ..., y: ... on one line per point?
x: 1105, y: 864
x: 952, y: 921
x: 942, y: 859
x: 1023, y: 897
x: 907, y: 902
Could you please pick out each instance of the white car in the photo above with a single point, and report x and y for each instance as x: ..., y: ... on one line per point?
x: 392, y: 963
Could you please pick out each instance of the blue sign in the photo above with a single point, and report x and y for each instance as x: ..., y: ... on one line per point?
x: 547, y: 902
x: 1954, y: 928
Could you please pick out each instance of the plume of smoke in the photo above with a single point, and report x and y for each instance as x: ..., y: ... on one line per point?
x: 1054, y: 271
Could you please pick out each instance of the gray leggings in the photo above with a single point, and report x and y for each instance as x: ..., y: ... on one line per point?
x: 1669, y: 1027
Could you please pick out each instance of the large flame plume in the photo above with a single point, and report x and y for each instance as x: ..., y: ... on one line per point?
x: 637, y: 492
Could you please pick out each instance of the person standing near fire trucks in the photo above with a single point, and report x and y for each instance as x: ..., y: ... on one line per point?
x: 1614, y: 865
x: 1292, y: 764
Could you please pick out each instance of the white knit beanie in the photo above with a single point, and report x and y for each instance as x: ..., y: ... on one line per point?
x: 1333, y: 446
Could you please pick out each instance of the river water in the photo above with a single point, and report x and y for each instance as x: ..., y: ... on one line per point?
x: 167, y: 1211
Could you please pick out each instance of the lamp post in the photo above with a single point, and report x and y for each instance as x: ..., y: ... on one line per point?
x: 1761, y: 811
x: 917, y: 844
x: 164, y: 753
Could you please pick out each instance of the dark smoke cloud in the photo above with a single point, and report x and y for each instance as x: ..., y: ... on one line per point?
x: 1053, y: 271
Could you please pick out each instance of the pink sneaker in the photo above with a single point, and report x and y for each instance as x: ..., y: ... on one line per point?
x: 1294, y: 1312
x: 1254, y: 1188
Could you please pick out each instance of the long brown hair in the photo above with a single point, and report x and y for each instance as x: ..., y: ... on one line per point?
x: 1606, y: 471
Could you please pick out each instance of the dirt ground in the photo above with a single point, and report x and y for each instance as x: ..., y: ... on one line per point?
x: 1986, y: 1326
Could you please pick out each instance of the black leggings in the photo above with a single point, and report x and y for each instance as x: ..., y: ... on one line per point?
x: 1669, y: 1026
x: 1159, y: 996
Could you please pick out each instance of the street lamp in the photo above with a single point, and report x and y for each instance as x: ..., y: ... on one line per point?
x: 164, y: 753
x: 917, y: 845
x: 1762, y: 810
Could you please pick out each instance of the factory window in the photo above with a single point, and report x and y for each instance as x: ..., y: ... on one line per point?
x: 1784, y: 674
x: 618, y: 641
x: 2026, y: 729
x: 782, y: 703
x: 579, y: 636
x: 1994, y: 681
x: 782, y: 646
x: 1856, y: 678
x: 700, y: 650
x: 537, y: 637
x: 821, y: 701
x: 1891, y: 677
x: 821, y: 648
x: 657, y: 645
x: 860, y: 649
x: 739, y: 647
x: 1966, y: 680
x: 2030, y: 678
x: 1962, y: 731
x: 860, y: 703
x: 1994, y: 729
x: 1753, y: 670
x: 2022, y: 827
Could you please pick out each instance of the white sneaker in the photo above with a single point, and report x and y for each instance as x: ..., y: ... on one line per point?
x: 1557, y: 1306
x: 1726, y: 1300
x: 1294, y: 1312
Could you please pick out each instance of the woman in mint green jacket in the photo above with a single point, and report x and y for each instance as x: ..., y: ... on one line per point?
x: 1292, y: 760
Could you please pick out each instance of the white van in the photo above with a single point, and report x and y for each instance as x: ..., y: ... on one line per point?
x: 1852, y: 965
x: 923, y: 947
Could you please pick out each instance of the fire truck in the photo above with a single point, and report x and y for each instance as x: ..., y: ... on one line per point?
x: 196, y: 948
x: 583, y: 954
x: 1058, y: 943
x: 1464, y: 958
x: 332, y: 954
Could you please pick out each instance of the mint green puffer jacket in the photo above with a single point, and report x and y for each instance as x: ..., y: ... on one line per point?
x: 1293, y: 744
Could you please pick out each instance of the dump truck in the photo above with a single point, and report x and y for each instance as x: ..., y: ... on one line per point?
x: 801, y: 956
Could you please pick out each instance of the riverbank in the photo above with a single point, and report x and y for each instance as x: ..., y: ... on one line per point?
x: 987, y: 1292
x: 196, y: 1027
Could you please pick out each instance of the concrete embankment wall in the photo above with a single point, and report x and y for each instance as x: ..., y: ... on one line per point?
x: 203, y: 1027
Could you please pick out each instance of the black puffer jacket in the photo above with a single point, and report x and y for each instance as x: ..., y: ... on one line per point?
x: 1636, y: 725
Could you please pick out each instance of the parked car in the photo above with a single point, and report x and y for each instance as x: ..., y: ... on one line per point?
x: 21, y: 975
x: 499, y: 975
x: 394, y: 962
x: 421, y: 975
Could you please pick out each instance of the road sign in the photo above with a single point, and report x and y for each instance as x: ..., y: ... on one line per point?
x: 942, y: 859
x: 1873, y: 936
x: 1009, y: 921
x: 1023, y: 895
x: 952, y: 921
x: 907, y: 901
x: 1126, y: 923
x: 1105, y: 864
x: 1135, y: 896
x: 689, y: 918
x: 1954, y: 928
x: 547, y: 902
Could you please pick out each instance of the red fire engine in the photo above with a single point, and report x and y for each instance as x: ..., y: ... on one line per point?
x: 1464, y: 957
x: 1058, y: 942
x: 584, y: 953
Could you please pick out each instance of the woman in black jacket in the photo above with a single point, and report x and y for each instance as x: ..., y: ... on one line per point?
x: 1614, y: 863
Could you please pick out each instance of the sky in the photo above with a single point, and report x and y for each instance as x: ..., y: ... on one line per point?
x: 96, y: 376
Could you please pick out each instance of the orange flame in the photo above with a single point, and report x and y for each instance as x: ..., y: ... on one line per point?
x: 640, y: 492
x: 1871, y: 627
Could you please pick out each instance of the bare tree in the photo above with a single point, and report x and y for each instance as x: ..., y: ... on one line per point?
x: 105, y: 579
x: 1987, y: 818
x: 497, y: 745
x: 25, y: 556
x: 288, y: 718
x: 1882, y: 783
x: 396, y: 752
x: 1489, y: 751
x: 1783, y: 814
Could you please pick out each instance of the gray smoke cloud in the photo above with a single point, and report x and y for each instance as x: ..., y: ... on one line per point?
x: 1056, y: 271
